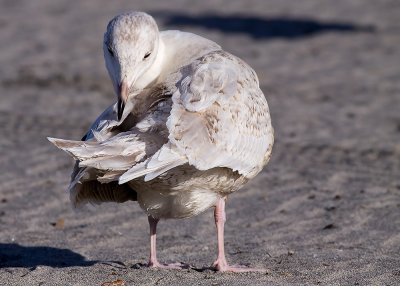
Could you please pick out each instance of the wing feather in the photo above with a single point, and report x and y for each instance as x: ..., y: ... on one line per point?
x: 163, y: 160
x: 220, y: 117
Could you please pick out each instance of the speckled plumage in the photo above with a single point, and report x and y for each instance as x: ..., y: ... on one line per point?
x: 196, y: 126
x: 230, y: 135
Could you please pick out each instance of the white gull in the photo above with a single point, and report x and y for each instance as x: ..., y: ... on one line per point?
x: 190, y: 127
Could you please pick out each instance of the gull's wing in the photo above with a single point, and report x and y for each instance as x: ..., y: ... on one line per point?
x: 219, y: 118
x: 87, y: 184
x: 110, y: 147
x: 103, y: 125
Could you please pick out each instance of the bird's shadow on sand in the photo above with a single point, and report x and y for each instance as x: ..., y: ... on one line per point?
x: 30, y: 257
x: 15, y: 255
x: 258, y: 27
x: 140, y: 265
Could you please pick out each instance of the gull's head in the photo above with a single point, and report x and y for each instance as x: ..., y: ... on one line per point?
x: 130, y: 48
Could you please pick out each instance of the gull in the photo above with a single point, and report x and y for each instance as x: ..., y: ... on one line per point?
x: 190, y: 126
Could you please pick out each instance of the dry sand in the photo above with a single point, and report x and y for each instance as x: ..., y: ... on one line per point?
x: 324, y: 212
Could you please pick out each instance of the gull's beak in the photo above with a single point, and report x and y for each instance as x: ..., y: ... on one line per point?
x: 122, y: 97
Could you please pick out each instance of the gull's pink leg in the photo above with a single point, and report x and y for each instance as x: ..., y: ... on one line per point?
x: 221, y: 264
x: 153, y: 262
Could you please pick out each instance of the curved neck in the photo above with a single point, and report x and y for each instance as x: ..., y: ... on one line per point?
x: 155, y: 70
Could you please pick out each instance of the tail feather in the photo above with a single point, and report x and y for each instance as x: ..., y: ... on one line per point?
x: 122, y: 158
x: 163, y: 160
x: 112, y: 162
x: 110, y: 155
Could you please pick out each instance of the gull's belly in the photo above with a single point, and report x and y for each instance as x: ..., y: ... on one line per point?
x: 176, y: 204
x: 185, y: 191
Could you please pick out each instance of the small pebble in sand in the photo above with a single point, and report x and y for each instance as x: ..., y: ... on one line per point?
x: 59, y: 224
x: 118, y: 282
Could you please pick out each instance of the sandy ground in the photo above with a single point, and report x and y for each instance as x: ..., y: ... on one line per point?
x: 324, y: 212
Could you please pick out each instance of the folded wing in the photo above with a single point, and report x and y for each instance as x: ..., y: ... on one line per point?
x: 219, y: 118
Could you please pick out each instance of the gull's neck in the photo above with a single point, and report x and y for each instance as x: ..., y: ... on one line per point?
x: 154, y: 71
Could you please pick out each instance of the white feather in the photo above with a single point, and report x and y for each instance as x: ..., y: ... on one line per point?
x: 212, y: 135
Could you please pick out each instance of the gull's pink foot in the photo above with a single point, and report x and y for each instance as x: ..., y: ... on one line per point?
x: 222, y: 265
x: 156, y: 264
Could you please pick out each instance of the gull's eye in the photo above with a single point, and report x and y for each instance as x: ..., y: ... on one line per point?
x: 110, y: 51
x: 147, y: 55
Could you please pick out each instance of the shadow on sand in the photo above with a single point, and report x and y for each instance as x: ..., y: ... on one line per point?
x: 259, y: 28
x: 15, y: 255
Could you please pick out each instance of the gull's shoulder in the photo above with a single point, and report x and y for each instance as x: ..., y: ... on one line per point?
x: 174, y: 37
x: 182, y: 48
